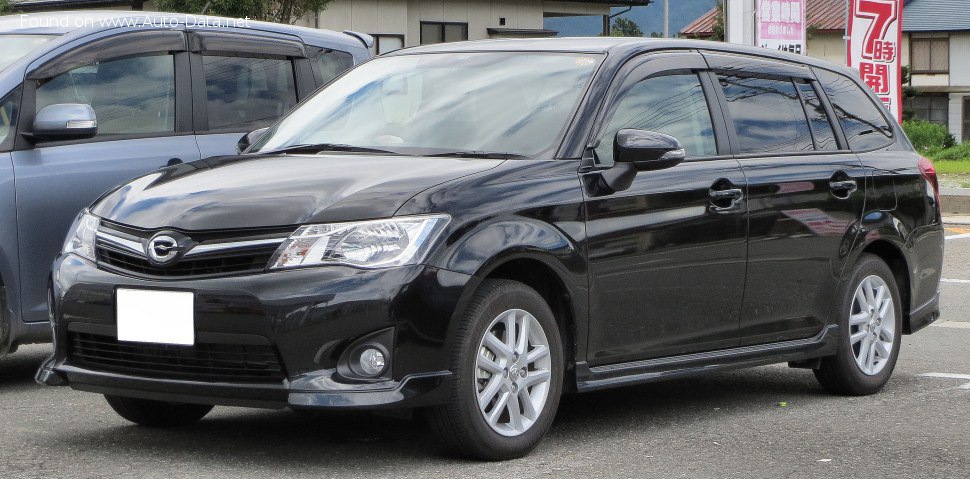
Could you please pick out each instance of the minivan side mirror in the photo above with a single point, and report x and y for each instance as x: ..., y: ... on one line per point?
x: 647, y: 150
x: 249, y: 138
x: 65, y: 121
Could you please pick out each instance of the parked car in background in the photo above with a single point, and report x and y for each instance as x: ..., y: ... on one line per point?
x: 476, y: 228
x: 83, y: 108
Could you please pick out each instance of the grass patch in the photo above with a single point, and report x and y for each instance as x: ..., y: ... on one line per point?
x: 952, y: 167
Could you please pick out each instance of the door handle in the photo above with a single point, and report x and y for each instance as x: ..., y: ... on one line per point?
x: 725, y: 199
x: 843, y: 188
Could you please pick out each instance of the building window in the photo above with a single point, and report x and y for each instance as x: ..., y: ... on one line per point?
x: 930, y: 107
x: 384, y: 43
x: 930, y: 55
x: 441, y: 32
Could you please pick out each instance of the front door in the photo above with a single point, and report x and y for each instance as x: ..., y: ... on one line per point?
x: 667, y: 256
x: 134, y: 96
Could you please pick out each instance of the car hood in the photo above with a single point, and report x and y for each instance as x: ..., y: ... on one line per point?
x: 282, y: 190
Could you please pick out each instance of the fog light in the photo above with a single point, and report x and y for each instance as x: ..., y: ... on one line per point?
x: 372, y: 362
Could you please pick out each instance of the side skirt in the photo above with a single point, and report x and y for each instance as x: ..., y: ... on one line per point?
x: 636, y: 372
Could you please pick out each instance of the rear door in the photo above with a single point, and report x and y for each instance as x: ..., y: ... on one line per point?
x: 244, y: 82
x: 666, y: 255
x: 138, y: 85
x: 805, y: 195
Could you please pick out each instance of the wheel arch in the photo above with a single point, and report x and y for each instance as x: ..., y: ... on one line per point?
x: 894, y: 257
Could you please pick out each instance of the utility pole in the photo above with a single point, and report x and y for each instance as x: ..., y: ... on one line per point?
x: 666, y: 18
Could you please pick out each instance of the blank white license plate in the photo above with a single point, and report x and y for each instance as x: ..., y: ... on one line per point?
x: 147, y: 316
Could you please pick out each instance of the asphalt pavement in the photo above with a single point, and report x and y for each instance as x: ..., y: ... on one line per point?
x: 763, y: 422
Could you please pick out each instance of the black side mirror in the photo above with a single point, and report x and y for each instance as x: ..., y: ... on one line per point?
x: 647, y: 150
x: 65, y: 121
x: 248, y: 139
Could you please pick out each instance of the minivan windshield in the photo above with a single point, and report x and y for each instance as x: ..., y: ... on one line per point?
x: 484, y: 103
x: 16, y: 47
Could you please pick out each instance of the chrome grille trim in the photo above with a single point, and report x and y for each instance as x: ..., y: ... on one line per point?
x: 228, y: 246
x: 121, y: 243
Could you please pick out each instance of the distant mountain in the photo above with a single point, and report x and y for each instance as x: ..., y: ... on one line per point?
x: 650, y: 18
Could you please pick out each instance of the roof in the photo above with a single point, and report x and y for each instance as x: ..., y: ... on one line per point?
x: 822, y: 16
x: 63, y: 22
x: 936, y: 16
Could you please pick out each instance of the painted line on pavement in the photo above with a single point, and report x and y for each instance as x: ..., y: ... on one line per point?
x: 961, y: 281
x: 952, y: 324
x: 965, y: 235
x: 958, y: 230
x: 965, y: 377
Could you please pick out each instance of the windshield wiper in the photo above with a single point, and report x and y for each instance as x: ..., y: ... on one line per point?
x: 320, y: 147
x: 498, y: 155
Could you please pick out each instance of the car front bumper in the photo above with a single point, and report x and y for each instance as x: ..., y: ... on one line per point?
x: 272, y: 339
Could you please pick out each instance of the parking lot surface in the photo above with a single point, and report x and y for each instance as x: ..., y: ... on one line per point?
x: 764, y: 422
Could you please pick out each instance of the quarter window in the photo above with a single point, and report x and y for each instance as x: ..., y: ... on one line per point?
x: 767, y: 114
x: 863, y: 122
x: 8, y: 118
x: 332, y: 63
x: 247, y: 93
x: 818, y: 118
x: 130, y: 95
x: 674, y: 105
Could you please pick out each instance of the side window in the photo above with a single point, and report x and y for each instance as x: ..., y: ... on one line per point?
x: 863, y: 122
x: 129, y: 95
x: 247, y: 93
x: 818, y: 118
x: 331, y: 63
x: 8, y: 119
x: 672, y: 104
x: 767, y: 114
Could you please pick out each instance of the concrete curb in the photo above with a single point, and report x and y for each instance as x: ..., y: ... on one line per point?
x: 955, y: 204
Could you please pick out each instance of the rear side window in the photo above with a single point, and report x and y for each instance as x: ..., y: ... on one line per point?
x: 247, y: 93
x: 818, y: 118
x: 134, y: 95
x: 767, y: 114
x: 330, y: 64
x: 863, y: 122
x: 674, y: 105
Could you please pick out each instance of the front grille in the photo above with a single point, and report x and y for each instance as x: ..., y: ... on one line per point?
x: 249, y: 261
x: 236, y: 363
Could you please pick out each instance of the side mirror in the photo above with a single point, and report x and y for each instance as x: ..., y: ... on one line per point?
x: 65, y: 121
x: 647, y: 150
x: 248, y: 139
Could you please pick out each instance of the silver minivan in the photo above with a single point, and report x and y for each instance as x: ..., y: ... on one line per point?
x: 90, y: 99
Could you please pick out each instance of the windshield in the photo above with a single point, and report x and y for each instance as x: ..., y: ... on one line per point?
x: 509, y: 103
x: 16, y: 47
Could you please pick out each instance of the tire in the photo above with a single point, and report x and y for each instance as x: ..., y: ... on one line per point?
x: 461, y: 424
x: 850, y: 372
x: 149, y: 413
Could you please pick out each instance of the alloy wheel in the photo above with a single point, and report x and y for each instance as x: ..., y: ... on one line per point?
x: 872, y: 325
x: 513, y: 372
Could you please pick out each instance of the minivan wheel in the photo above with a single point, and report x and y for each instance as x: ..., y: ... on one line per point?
x: 148, y: 413
x: 508, y: 366
x: 870, y: 328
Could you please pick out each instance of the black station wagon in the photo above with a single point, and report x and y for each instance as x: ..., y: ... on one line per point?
x: 474, y: 229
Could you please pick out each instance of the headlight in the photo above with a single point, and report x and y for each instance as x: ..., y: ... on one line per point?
x: 366, y: 244
x: 80, y: 240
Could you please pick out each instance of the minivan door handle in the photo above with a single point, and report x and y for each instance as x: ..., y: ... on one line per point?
x: 843, y: 188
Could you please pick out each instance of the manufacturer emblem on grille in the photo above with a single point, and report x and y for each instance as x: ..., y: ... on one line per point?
x: 162, y: 249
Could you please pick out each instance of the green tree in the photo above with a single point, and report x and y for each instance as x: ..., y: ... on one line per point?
x: 717, y: 32
x: 623, y: 27
x: 5, y: 7
x: 280, y: 11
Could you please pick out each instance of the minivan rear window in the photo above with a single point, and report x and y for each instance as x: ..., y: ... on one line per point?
x: 863, y: 122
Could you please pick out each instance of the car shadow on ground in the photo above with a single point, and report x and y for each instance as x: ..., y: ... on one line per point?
x: 308, y: 439
x: 17, y: 369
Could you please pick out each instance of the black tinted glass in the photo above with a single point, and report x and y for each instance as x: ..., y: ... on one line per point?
x: 768, y: 115
x: 8, y: 120
x: 247, y: 93
x: 818, y: 118
x: 332, y: 63
x: 862, y: 121
x: 672, y: 104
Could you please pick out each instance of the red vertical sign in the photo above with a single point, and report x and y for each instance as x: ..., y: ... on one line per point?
x: 875, y: 34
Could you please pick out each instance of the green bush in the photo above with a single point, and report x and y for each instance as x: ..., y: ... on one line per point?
x: 927, y: 136
x: 957, y: 153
